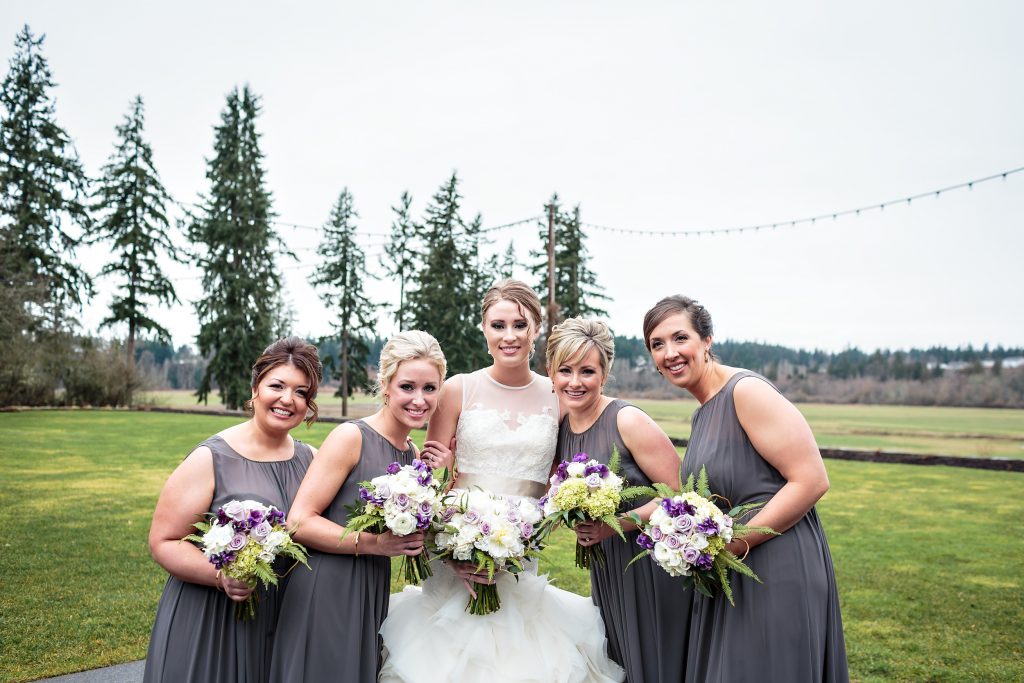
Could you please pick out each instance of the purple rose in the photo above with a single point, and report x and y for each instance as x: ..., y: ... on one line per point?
x: 704, y: 562
x: 426, y: 508
x: 594, y: 480
x: 261, y: 530
x: 485, y: 528
x: 644, y: 541
x: 238, y: 542
x: 526, y: 529
x: 402, y: 501
x: 471, y: 516
x: 657, y: 534
x: 690, y: 555
x: 235, y: 510
x: 580, y: 457
x: 448, y: 513
x: 672, y: 541
x: 513, y: 514
x: 394, y: 468
x: 683, y: 523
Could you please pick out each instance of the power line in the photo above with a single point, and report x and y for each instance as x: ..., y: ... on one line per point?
x: 880, y: 206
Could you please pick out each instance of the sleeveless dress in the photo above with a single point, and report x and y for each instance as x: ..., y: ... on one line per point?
x: 196, y: 636
x: 330, y: 615
x: 788, y: 628
x: 505, y: 444
x: 646, y: 612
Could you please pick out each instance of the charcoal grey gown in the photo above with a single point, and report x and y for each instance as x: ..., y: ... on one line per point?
x: 196, y: 636
x: 646, y: 612
x: 788, y: 628
x: 330, y: 616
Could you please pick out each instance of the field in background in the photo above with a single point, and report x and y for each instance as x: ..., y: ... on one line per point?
x: 928, y: 574
x: 970, y: 432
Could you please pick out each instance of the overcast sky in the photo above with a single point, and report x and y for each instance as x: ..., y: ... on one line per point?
x: 651, y: 116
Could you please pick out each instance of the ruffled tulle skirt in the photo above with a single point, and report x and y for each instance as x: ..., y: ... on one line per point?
x: 541, y: 634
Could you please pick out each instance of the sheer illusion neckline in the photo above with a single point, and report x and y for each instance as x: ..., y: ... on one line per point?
x: 533, y: 378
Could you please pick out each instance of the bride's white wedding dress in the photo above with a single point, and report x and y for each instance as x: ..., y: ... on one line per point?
x: 505, y: 443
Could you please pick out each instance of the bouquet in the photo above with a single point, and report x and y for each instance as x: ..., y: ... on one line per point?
x: 584, y: 490
x: 404, y: 500
x: 242, y: 539
x: 687, y: 534
x: 495, y: 533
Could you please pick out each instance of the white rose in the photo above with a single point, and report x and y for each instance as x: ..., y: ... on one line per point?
x: 216, y: 539
x: 402, y: 524
x: 274, y: 540
x: 662, y: 553
x: 530, y: 512
x: 576, y: 469
x: 699, y: 541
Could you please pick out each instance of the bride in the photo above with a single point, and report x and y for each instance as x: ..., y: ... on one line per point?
x: 504, y: 420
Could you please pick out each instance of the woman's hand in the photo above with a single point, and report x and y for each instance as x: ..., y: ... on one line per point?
x: 469, y: 575
x: 592, y: 533
x: 437, y: 455
x: 237, y: 591
x: 389, y: 545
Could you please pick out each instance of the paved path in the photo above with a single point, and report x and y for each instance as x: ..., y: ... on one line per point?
x: 120, y: 673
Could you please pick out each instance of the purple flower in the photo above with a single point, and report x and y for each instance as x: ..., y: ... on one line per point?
x: 604, y: 471
x: 448, y: 513
x: 420, y: 465
x: 543, y: 501
x: 275, y: 516
x: 690, y: 555
x: 424, y: 479
x: 422, y: 521
x: 256, y: 516
x: 513, y: 514
x: 426, y: 508
x: 644, y: 541
x: 365, y: 495
x: 394, y: 468
x: 240, y: 527
x: 485, y: 528
x: 672, y: 541
x: 562, y: 472
x: 687, y: 509
x: 592, y: 469
x: 704, y: 561
x: 222, y: 517
x: 261, y: 530
x: 657, y: 534
x: 238, y: 542
x: 593, y: 480
x: 471, y: 516
x: 708, y: 527
x: 526, y: 529
x: 668, y: 506
x: 580, y: 457
x: 402, y: 501
x: 683, y: 523
x: 234, y: 509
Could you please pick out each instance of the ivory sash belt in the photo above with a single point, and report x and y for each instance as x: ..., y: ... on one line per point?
x: 505, y: 486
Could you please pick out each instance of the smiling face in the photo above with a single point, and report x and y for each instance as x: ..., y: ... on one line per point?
x: 412, y: 392
x: 510, y: 333
x: 279, y: 401
x: 678, y: 351
x: 578, y: 382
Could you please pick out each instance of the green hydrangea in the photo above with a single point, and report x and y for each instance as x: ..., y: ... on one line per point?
x: 600, y: 502
x: 571, y: 494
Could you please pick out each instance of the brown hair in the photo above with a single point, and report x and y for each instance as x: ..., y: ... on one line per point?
x: 300, y: 355
x: 518, y: 293
x: 573, y: 338
x: 671, y: 305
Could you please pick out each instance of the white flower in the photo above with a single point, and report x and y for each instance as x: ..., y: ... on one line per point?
x: 216, y: 539
x: 699, y: 541
x: 402, y: 524
x: 529, y: 511
x: 274, y: 540
x: 576, y: 469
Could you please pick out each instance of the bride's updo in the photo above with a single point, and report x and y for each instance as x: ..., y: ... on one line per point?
x: 411, y: 345
x: 517, y: 292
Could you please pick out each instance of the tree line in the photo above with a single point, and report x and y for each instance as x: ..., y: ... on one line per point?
x: 50, y: 207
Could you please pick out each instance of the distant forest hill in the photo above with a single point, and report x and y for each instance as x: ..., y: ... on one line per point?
x: 961, y: 376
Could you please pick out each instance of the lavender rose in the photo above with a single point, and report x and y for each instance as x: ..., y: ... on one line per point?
x: 261, y: 530
x: 690, y: 554
x: 235, y: 510
x: 238, y: 542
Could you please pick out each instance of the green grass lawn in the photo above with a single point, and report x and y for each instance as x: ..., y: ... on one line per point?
x: 927, y: 559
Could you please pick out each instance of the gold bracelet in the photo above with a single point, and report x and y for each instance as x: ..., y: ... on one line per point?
x: 747, y: 552
x: 217, y: 580
x: 357, y: 544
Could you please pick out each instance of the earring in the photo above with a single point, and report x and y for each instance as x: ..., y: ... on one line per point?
x: 707, y: 356
x: 385, y: 399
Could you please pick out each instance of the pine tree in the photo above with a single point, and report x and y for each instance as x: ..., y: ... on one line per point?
x: 576, y: 288
x: 400, y: 253
x: 233, y: 230
x: 340, y: 277
x: 43, y: 189
x: 509, y: 264
x: 133, y: 204
x: 446, y: 299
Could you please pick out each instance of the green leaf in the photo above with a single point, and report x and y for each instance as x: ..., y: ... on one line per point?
x: 613, y: 522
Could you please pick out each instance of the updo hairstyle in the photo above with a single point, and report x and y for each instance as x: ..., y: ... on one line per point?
x: 574, y: 338
x: 299, y: 354
x: 671, y: 305
x: 411, y: 345
x: 518, y: 293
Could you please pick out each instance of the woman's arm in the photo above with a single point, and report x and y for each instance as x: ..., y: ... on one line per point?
x: 185, y: 497
x: 654, y: 454
x: 335, y: 460
x: 781, y: 435
x: 444, y: 422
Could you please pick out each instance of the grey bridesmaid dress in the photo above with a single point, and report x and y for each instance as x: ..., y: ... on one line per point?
x: 331, y: 616
x: 196, y: 636
x: 646, y: 612
x: 788, y: 628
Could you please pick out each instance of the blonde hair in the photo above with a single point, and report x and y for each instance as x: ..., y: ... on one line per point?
x: 575, y: 337
x: 411, y: 345
x: 518, y: 293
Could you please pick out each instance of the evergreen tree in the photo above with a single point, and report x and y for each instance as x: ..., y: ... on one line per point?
x: 508, y: 265
x: 43, y: 189
x: 340, y: 276
x: 400, y: 253
x: 576, y: 290
x: 134, y: 204
x: 240, y: 278
x: 446, y: 299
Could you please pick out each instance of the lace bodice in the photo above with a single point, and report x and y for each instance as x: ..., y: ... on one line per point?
x: 507, y: 431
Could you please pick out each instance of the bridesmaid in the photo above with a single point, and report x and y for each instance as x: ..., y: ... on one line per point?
x: 196, y: 637
x: 756, y: 446
x: 646, y: 612
x: 330, y: 616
